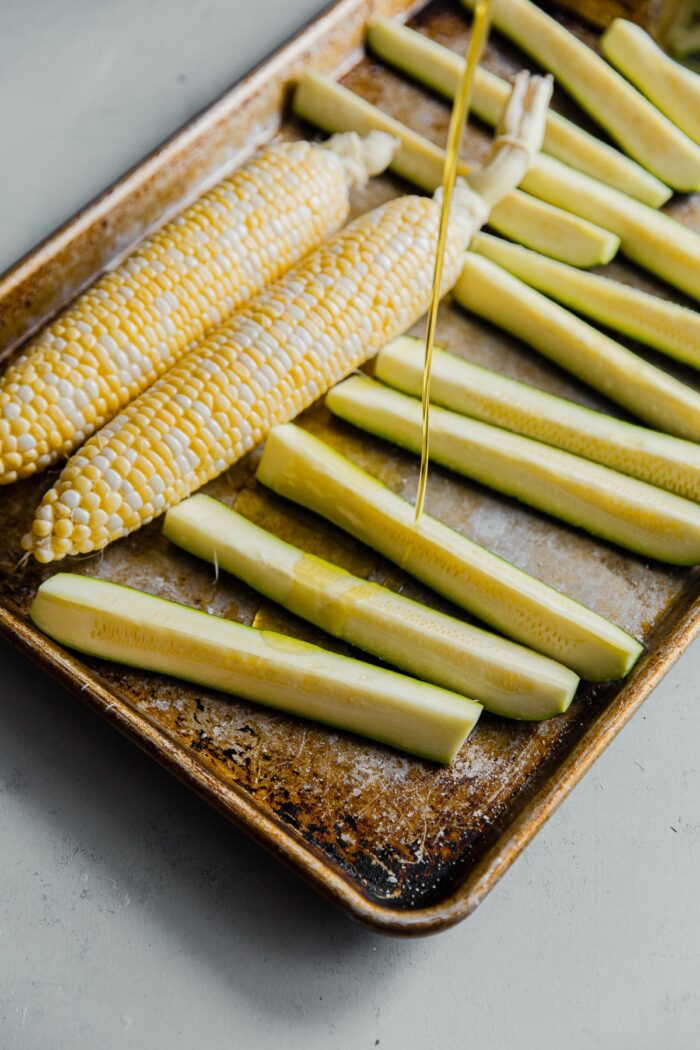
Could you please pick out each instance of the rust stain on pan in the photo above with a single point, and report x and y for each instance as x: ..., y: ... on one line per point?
x: 404, y: 846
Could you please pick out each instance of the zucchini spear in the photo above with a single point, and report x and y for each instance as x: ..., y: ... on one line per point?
x: 551, y: 231
x: 440, y: 69
x: 667, y: 462
x: 623, y: 510
x: 114, y: 622
x: 639, y: 128
x: 649, y: 238
x: 672, y: 88
x: 300, y: 467
x: 665, y: 326
x: 506, y: 678
x: 646, y: 391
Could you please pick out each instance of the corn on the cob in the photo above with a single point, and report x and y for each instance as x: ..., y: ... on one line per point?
x: 304, y: 333
x: 137, y: 320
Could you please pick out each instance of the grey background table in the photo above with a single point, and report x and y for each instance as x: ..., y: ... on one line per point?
x: 133, y: 916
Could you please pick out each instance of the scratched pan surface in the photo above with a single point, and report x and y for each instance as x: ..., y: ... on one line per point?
x: 404, y: 845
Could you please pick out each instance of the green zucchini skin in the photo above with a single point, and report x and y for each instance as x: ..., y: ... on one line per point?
x: 623, y: 510
x: 300, y: 467
x: 667, y: 462
x: 665, y: 326
x: 141, y: 630
x: 524, y: 218
x: 506, y: 678
x: 649, y: 393
x: 440, y: 69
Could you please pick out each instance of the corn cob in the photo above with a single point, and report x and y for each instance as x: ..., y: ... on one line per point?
x: 305, y: 332
x: 137, y: 320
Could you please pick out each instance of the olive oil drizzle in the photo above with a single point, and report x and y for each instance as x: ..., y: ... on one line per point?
x: 460, y: 111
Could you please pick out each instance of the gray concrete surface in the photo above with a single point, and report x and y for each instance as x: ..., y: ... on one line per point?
x: 133, y: 916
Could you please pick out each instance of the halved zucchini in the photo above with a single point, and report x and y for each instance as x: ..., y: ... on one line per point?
x: 665, y: 326
x: 440, y: 69
x: 650, y: 238
x: 662, y: 460
x: 552, y: 231
x: 118, y: 623
x: 647, y: 392
x: 621, y: 509
x: 506, y: 678
x: 672, y: 88
x: 642, y: 131
x: 297, y: 465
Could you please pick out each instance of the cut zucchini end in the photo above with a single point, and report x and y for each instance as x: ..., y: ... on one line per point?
x: 658, y: 196
x: 609, y: 247
x: 179, y: 524
x: 539, y: 707
x: 625, y: 665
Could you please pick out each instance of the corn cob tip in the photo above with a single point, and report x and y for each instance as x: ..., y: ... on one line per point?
x: 524, y: 117
x: 100, y: 496
x: 363, y: 156
x: 22, y: 450
x: 519, y: 138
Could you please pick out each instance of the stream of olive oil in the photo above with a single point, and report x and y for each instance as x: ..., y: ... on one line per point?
x: 460, y: 111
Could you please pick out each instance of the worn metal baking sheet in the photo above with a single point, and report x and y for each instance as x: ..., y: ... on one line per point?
x: 403, y: 845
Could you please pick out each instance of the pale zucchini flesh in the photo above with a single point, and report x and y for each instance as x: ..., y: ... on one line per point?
x: 658, y: 323
x: 440, y: 69
x: 506, y: 678
x: 667, y: 462
x: 629, y: 118
x: 650, y: 238
x: 672, y: 88
x: 623, y: 510
x: 533, y: 222
x: 649, y: 393
x: 300, y: 467
x: 141, y: 630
